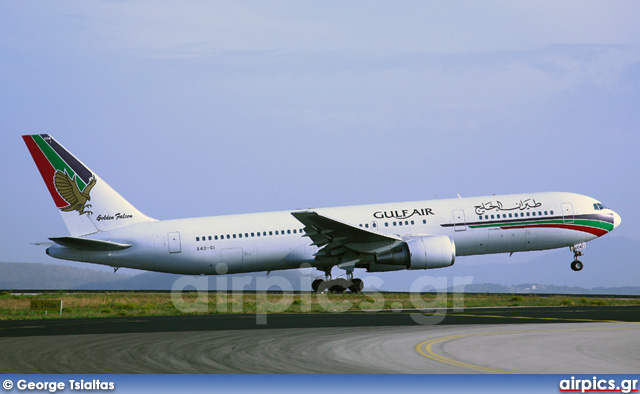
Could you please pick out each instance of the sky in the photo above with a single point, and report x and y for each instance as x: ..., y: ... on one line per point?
x: 202, y: 108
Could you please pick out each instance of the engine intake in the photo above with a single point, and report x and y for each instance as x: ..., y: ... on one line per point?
x: 420, y: 253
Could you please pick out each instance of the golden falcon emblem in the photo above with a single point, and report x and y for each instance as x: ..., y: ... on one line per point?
x: 70, y: 192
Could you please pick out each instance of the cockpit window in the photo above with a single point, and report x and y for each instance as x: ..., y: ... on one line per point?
x: 598, y: 207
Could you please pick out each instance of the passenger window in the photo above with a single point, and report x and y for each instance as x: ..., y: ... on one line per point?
x: 270, y: 232
x: 234, y: 236
x: 366, y: 225
x: 288, y: 231
x: 510, y: 215
x: 400, y: 223
x: 424, y: 221
x: 276, y: 232
x: 394, y: 224
x: 209, y: 238
x: 374, y: 225
x: 528, y: 213
x: 197, y: 239
x: 386, y: 224
x: 492, y: 217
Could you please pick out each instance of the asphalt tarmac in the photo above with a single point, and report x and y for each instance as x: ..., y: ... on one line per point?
x: 483, y: 340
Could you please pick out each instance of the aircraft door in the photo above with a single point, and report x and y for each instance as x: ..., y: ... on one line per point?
x: 567, y: 212
x: 459, y: 221
x: 174, y: 242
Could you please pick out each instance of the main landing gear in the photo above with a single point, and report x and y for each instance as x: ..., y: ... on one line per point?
x: 338, y: 285
x: 577, y: 265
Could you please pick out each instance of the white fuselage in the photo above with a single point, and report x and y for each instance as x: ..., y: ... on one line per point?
x: 276, y: 240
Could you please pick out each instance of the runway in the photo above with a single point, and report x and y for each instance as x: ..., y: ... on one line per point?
x: 464, y: 342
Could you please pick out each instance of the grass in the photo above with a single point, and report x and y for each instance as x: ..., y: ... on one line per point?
x: 77, y: 305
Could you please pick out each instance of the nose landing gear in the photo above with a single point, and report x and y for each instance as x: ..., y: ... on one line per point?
x: 577, y: 265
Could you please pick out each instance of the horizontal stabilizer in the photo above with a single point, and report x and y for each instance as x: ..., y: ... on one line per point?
x: 89, y: 244
x: 42, y: 243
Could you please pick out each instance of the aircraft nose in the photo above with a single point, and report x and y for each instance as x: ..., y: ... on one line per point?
x: 616, y: 220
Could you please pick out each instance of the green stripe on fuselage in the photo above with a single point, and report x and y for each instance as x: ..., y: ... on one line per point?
x: 56, y: 161
x: 577, y: 222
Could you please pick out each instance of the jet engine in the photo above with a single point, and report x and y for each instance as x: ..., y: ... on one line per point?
x: 418, y: 253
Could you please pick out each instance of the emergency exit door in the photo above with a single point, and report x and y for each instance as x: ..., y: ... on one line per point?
x: 567, y: 212
x: 459, y: 221
x: 174, y: 242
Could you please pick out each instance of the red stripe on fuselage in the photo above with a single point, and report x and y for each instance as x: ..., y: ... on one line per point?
x: 46, y: 170
x: 598, y: 232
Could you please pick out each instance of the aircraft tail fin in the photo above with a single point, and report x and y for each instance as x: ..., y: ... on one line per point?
x: 86, y: 202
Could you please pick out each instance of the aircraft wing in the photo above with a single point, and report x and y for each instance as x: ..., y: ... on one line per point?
x: 339, y: 239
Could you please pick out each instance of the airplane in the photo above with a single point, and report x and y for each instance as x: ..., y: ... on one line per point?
x: 104, y: 228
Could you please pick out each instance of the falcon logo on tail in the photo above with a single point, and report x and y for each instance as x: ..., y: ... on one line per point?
x: 69, y: 190
x: 73, y: 185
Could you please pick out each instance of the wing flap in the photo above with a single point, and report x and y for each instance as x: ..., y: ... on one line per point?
x: 336, y: 238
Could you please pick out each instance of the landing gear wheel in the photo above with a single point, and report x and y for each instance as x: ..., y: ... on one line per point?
x: 339, y: 289
x: 576, y: 265
x: 316, y: 284
x: 356, y: 286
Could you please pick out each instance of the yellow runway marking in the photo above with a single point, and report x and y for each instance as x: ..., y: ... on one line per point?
x: 425, y: 348
x: 531, y: 318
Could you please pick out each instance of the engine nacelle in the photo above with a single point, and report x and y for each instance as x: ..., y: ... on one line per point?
x: 420, y: 253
